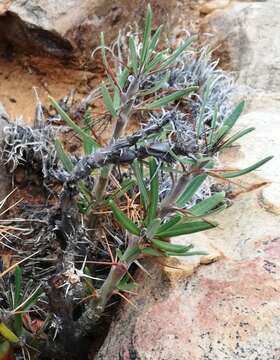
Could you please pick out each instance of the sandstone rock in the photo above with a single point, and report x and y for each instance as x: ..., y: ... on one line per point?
x: 243, y: 33
x: 211, y: 6
x: 271, y: 198
x: 63, y: 28
x: 228, y: 309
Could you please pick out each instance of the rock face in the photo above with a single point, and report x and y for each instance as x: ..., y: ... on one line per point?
x: 229, y: 309
x: 65, y: 27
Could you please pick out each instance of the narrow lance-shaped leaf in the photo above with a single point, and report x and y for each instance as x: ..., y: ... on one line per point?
x: 103, y: 50
x: 31, y: 300
x: 79, y: 131
x: 213, y: 125
x: 131, y: 254
x: 62, y: 155
x: 206, y: 205
x: 178, y: 52
x: 187, y: 228
x: 123, y: 220
x: 87, y: 145
x: 152, y: 252
x: 167, y: 246
x: 190, y: 190
x: 169, y: 98
x: 228, y: 123
x: 188, y: 253
x: 133, y: 54
x: 107, y: 100
x: 122, y: 78
x: 233, y: 174
x: 156, y: 60
x: 158, y: 85
x: 153, y: 43
x: 147, y: 34
x: 140, y: 182
x: 152, y: 228
x: 8, y: 334
x: 236, y: 137
x: 18, y: 285
x: 154, y: 191
x: 171, y: 222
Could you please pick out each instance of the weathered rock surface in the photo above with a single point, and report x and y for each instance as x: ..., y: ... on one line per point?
x: 62, y: 28
x: 229, y: 309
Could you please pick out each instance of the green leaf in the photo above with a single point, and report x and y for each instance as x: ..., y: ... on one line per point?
x: 206, y: 205
x: 8, y: 334
x: 123, y: 220
x: 79, y: 131
x: 157, y: 59
x: 173, y: 221
x: 103, y: 50
x: 133, y: 54
x: 169, y: 98
x: 147, y: 34
x: 233, y: 174
x: 154, y: 192
x: 32, y: 299
x: 190, y: 190
x: 88, y: 281
x: 126, y: 185
x: 187, y: 228
x: 167, y: 246
x: 152, y: 228
x: 154, y: 42
x: 170, y: 60
x: 87, y: 119
x: 140, y: 182
x: 236, y: 137
x: 229, y: 122
x: 151, y: 252
x: 122, y: 78
x: 188, y: 253
x: 107, y: 100
x: 158, y: 85
x: 205, y: 98
x: 213, y: 126
x: 131, y: 254
x: 63, y: 157
x: 125, y: 284
x: 18, y: 285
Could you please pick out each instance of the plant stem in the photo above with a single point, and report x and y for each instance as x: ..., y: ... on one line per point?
x: 177, y: 190
x: 127, y: 102
x: 93, y: 313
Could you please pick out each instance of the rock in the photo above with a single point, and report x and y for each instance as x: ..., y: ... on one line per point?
x: 5, y: 180
x: 177, y: 269
x: 228, y: 309
x: 271, y: 198
x: 67, y: 27
x: 213, y: 5
x: 243, y: 33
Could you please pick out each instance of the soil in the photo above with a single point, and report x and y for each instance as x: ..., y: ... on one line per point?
x: 20, y: 73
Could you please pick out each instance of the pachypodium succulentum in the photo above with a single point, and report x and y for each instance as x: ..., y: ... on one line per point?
x: 143, y: 187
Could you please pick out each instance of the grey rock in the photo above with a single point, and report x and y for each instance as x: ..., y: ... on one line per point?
x: 66, y: 28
